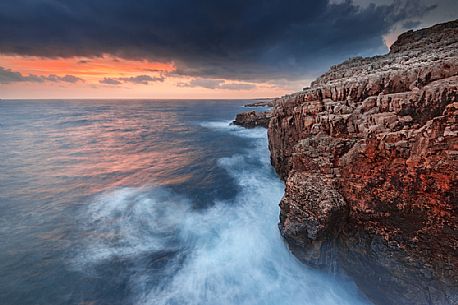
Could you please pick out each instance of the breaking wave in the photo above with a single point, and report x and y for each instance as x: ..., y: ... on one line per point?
x: 229, y: 253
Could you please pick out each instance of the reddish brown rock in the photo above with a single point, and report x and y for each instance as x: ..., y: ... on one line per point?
x: 251, y: 119
x: 369, y: 154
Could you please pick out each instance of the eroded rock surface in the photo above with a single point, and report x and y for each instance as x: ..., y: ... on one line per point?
x: 251, y: 119
x: 369, y: 154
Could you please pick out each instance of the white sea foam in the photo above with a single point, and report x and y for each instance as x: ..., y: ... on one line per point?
x: 130, y: 221
x: 227, y: 126
x: 234, y: 252
x: 221, y: 125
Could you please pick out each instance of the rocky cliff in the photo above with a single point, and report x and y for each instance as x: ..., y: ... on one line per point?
x: 369, y: 155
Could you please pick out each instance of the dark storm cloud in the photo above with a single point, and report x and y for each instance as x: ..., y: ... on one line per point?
x: 239, y: 39
x: 8, y: 76
x: 411, y: 24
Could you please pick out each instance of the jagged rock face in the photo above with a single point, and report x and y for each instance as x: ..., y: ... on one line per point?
x: 369, y: 154
x: 251, y: 119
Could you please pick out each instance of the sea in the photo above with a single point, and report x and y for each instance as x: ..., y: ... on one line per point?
x: 149, y: 202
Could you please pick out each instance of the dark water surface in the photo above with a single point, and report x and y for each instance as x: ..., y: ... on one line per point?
x: 144, y: 202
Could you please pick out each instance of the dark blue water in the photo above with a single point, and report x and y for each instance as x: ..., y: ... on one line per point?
x: 144, y: 202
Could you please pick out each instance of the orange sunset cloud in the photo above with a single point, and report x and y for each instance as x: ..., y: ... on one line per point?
x: 114, y: 77
x: 88, y: 69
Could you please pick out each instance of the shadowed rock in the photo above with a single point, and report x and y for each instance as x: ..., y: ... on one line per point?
x: 251, y: 119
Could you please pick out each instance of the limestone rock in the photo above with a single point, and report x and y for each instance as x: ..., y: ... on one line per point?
x: 369, y: 154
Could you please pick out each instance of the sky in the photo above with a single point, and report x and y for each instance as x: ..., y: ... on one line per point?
x: 193, y: 49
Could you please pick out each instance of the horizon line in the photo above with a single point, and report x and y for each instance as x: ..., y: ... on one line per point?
x: 130, y: 98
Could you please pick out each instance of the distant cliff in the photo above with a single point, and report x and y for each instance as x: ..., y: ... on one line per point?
x: 369, y: 154
x: 251, y: 119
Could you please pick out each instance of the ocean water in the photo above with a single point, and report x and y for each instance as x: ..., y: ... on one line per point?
x: 144, y: 202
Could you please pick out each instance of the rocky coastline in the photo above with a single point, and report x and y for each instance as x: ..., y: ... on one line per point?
x: 262, y: 103
x: 369, y: 156
x: 252, y: 119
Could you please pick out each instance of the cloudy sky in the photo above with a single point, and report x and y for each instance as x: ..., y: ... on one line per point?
x: 192, y: 49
